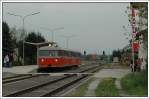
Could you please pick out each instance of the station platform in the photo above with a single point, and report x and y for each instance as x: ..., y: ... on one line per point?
x: 19, y: 69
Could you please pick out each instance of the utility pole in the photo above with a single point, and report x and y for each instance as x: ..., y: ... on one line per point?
x: 52, y: 31
x: 67, y: 39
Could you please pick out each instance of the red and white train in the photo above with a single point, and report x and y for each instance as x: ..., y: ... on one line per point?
x: 56, y: 57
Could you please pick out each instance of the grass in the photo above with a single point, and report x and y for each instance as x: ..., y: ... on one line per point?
x: 108, y: 64
x: 107, y: 87
x: 81, y: 90
x: 135, y: 83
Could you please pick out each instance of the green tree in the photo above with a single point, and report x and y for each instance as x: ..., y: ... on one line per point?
x: 84, y: 53
x: 104, y: 53
x: 8, y: 41
x: 117, y: 53
x: 142, y: 7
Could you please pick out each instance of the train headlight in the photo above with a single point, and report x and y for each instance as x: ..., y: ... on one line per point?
x: 56, y: 60
x: 50, y: 45
x: 42, y: 60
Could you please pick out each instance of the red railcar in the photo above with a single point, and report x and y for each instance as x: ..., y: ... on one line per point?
x: 56, y: 57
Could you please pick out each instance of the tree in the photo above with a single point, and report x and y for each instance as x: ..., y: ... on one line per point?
x: 103, y: 53
x: 116, y: 53
x: 7, y: 41
x: 142, y: 13
x: 13, y: 33
x: 84, y: 53
x: 142, y: 7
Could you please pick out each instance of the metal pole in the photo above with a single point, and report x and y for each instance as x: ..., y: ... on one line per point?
x: 23, y: 19
x: 23, y: 40
x: 52, y: 36
x: 37, y: 54
x: 67, y: 42
x: 52, y: 31
x: 133, y: 34
x: 133, y: 56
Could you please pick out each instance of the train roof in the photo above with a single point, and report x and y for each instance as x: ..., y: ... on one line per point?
x: 49, y: 48
x: 55, y: 48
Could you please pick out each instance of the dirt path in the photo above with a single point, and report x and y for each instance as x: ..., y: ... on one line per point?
x: 113, y: 72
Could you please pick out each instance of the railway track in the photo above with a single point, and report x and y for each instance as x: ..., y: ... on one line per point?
x: 80, y: 69
x: 44, y: 85
x: 72, y: 69
x: 17, y: 78
x: 26, y: 76
x: 19, y: 75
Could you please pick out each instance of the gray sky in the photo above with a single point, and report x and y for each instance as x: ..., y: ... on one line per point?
x: 96, y: 26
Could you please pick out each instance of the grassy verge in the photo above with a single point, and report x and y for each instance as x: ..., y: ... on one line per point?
x: 81, y: 90
x: 135, y: 84
x: 107, y: 87
x: 108, y: 64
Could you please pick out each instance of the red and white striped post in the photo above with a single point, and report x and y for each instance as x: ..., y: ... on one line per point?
x: 133, y: 22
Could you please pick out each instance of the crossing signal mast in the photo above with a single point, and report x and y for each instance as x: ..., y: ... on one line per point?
x: 135, y: 44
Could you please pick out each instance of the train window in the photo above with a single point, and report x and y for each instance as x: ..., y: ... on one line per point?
x: 70, y: 54
x: 79, y: 54
x: 66, y: 53
x: 60, y: 53
x: 74, y: 54
x: 48, y: 53
x: 43, y: 53
x: 53, y: 53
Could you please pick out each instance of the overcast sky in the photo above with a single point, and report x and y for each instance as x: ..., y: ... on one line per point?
x: 95, y: 26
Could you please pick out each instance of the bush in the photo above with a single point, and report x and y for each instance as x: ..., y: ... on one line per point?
x: 135, y: 83
x: 107, y: 87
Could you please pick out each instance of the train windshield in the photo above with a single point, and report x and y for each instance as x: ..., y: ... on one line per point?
x: 51, y: 53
